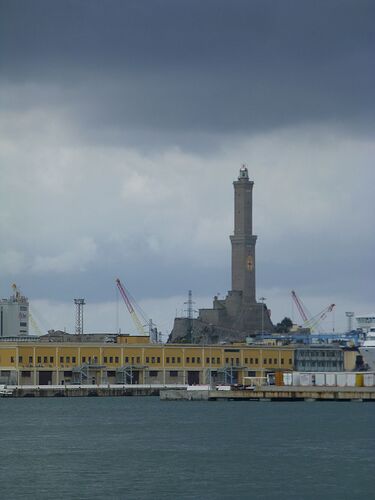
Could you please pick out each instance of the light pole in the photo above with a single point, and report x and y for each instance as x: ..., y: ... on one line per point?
x: 262, y: 299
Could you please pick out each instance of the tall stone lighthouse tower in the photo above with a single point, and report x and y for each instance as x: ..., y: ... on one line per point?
x: 243, y: 241
x: 239, y: 314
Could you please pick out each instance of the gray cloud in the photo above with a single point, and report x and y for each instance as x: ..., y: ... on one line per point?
x: 171, y: 68
x: 123, y: 124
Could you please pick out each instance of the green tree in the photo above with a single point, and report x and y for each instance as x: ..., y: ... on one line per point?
x: 284, y: 326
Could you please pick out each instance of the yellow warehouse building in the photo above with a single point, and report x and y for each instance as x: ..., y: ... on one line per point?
x: 134, y: 360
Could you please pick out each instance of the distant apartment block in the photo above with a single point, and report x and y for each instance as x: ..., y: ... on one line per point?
x: 14, y: 316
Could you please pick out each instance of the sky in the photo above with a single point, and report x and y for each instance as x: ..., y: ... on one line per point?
x: 124, y: 123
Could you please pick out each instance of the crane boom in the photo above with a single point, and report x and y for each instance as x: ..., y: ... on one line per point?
x: 128, y: 304
x: 320, y: 317
x: 299, y: 306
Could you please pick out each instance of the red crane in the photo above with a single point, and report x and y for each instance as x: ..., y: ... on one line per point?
x: 299, y: 306
x: 310, y: 321
x: 128, y: 304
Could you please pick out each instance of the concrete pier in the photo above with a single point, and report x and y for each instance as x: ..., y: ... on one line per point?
x: 274, y: 393
x: 26, y: 391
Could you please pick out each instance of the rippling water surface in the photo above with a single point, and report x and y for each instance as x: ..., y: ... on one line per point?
x: 142, y: 448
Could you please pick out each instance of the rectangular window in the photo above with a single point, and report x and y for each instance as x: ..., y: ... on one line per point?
x: 12, y: 359
x: 158, y: 359
x: 173, y: 359
x: 126, y: 359
x: 61, y: 359
x: 270, y: 361
x: 251, y: 361
x: 237, y: 361
x: 173, y: 373
x: 188, y: 360
x: 167, y: 359
x: 23, y: 324
x: 111, y: 359
x: 153, y: 373
x: 73, y: 359
x: 256, y: 361
x: 133, y: 360
x: 290, y: 361
x: 227, y: 360
x: 67, y: 359
x: 138, y: 359
x: 83, y: 359
x: 147, y: 359
x: 218, y: 361
x: 245, y: 361
x: 207, y: 360
x: 282, y: 361
x: 275, y: 361
x: 198, y: 360
x: 30, y: 359
x: 193, y: 359
x: 20, y: 359
x: 39, y: 359
x: 105, y: 359
x: 213, y: 361
x: 45, y: 359
x: 178, y: 360
x: 116, y: 359
x: 264, y: 361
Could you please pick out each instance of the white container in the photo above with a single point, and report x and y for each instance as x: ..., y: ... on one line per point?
x: 305, y: 379
x: 350, y: 379
x: 198, y: 388
x: 368, y: 379
x: 320, y: 379
x: 330, y: 379
x: 288, y: 378
x: 341, y: 379
x: 296, y: 378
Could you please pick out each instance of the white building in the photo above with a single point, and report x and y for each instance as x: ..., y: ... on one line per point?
x: 14, y: 316
x: 365, y: 322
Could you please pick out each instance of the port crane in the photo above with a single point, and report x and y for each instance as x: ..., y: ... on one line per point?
x: 309, y: 321
x: 129, y: 301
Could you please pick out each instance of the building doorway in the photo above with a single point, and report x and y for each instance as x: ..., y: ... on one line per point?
x: 193, y: 377
x: 45, y: 378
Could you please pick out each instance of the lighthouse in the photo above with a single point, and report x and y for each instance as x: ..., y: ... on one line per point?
x: 243, y: 241
x: 238, y: 315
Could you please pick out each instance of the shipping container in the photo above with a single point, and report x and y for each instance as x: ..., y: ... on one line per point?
x: 351, y: 379
x: 330, y: 379
x: 320, y: 378
x: 288, y: 378
x: 279, y: 378
x: 341, y: 380
x: 369, y: 379
x: 306, y: 379
x: 359, y: 379
x: 296, y: 378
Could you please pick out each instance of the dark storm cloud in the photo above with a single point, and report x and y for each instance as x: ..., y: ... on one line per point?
x: 189, y: 66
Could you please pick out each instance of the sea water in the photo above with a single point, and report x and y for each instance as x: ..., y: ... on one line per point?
x: 142, y: 448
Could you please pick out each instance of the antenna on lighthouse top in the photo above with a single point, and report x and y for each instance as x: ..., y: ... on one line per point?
x: 244, y: 174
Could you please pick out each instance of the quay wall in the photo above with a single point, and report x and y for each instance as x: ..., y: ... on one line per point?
x: 274, y: 393
x: 87, y: 390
